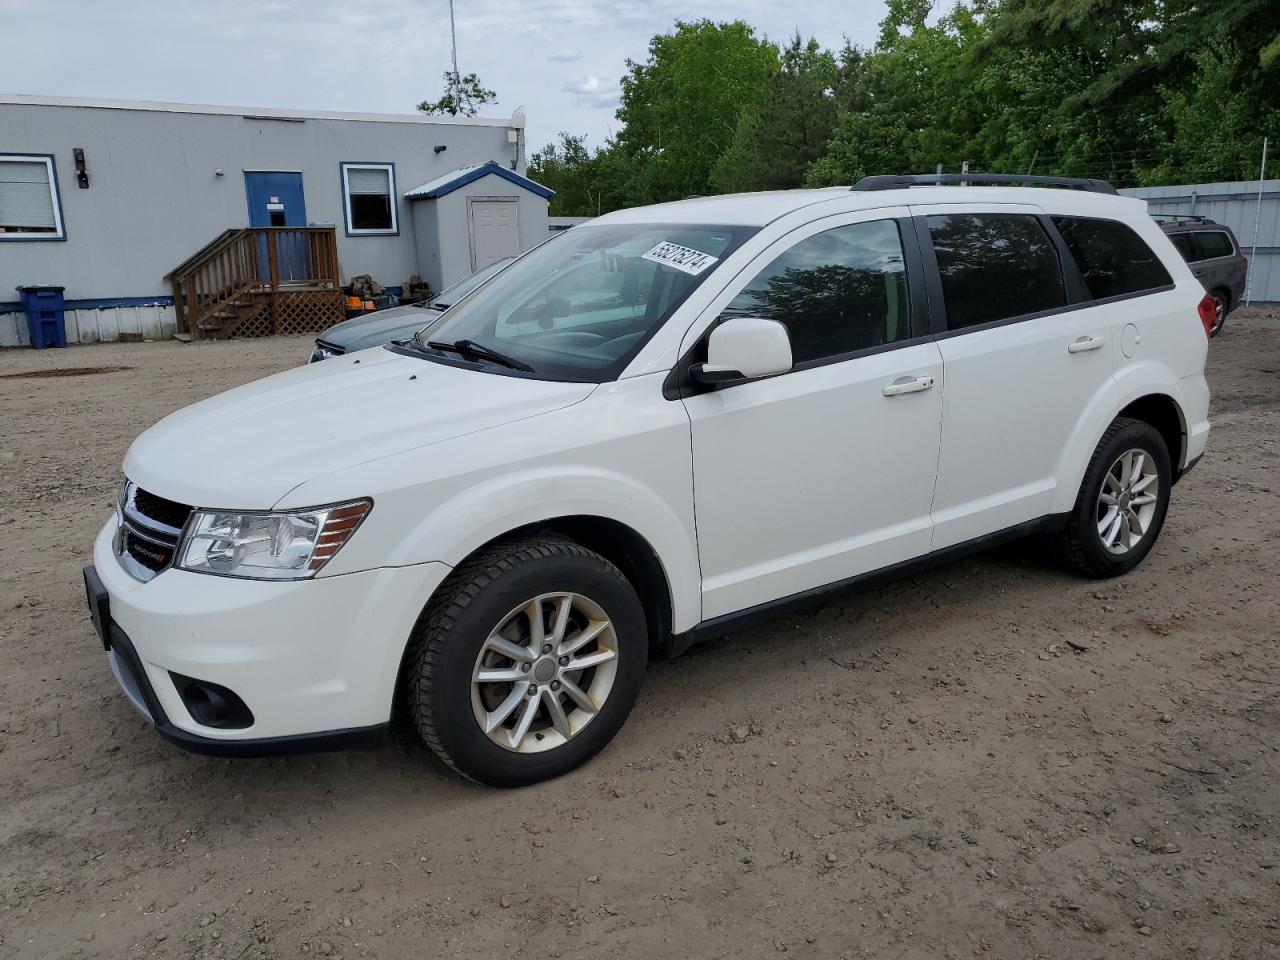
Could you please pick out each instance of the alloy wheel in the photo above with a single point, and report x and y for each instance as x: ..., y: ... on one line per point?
x: 1128, y: 501
x: 544, y: 672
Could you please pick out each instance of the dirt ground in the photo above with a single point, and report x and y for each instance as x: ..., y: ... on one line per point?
x: 993, y: 759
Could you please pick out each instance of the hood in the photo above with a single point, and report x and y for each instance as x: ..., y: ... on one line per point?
x: 376, y: 329
x: 248, y: 447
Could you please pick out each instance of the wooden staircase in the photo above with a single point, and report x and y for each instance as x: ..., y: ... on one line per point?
x: 259, y: 281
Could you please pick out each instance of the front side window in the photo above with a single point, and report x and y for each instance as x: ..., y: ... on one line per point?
x: 995, y: 266
x: 837, y: 292
x: 369, y: 190
x: 29, y: 206
x: 1114, y: 260
x: 581, y: 305
x: 1214, y: 244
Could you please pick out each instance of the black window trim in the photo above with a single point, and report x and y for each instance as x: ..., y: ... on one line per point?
x: 1196, y: 234
x: 1069, y: 268
x: 679, y: 384
x: 1116, y: 298
x: 1072, y: 280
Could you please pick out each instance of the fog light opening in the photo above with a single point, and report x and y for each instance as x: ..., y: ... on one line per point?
x: 212, y: 705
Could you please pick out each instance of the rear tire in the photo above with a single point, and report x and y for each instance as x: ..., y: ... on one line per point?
x: 493, y: 683
x: 1221, y: 304
x: 1122, y: 502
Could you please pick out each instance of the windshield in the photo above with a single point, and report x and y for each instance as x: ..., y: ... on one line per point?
x: 581, y: 305
x: 456, y: 291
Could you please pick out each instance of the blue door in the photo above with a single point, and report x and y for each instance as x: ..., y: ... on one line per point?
x: 276, y: 200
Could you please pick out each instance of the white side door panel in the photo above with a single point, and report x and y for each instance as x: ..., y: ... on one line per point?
x: 1015, y: 394
x: 811, y: 477
x: 817, y: 475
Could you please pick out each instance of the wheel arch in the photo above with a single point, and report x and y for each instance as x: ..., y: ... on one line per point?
x: 617, y: 542
x: 627, y: 550
x: 1154, y: 405
x: 1162, y: 412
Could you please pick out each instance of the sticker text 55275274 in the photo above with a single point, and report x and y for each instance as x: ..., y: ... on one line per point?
x: 685, y: 259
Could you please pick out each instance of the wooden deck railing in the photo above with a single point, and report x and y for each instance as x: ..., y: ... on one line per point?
x: 239, y: 265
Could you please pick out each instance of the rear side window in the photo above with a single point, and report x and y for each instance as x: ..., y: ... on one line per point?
x: 1186, y: 245
x: 836, y: 292
x: 1113, y: 259
x: 995, y: 266
x: 1215, y: 243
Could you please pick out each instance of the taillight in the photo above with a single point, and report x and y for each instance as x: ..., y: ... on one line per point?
x: 1208, y: 310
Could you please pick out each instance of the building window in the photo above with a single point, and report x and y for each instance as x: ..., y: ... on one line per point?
x: 29, y: 204
x: 369, y: 191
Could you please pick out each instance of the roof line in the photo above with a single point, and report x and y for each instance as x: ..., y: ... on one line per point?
x: 457, y: 179
x: 254, y: 113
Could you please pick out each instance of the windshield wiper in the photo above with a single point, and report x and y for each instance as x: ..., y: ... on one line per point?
x: 471, y: 348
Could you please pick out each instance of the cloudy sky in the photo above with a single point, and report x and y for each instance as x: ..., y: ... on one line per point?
x: 559, y: 59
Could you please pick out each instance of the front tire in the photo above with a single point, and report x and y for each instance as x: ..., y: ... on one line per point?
x: 527, y: 662
x: 1122, y: 502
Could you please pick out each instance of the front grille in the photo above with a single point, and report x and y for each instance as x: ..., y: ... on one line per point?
x: 161, y: 510
x: 152, y: 556
x: 150, y: 527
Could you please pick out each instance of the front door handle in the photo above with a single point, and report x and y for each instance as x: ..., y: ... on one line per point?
x: 907, y: 385
x: 1083, y: 344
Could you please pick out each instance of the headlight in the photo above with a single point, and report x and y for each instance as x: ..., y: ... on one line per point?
x: 323, y: 351
x: 268, y: 546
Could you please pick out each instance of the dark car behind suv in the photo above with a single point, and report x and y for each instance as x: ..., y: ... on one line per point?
x: 1214, y: 256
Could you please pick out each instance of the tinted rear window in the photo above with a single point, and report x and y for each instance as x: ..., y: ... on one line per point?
x: 995, y: 266
x: 1215, y: 243
x: 1186, y: 244
x: 1114, y: 260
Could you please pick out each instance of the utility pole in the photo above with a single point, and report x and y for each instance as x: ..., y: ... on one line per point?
x: 455, y: 81
x: 1257, y: 217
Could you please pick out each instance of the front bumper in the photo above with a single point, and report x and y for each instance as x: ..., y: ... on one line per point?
x: 316, y: 661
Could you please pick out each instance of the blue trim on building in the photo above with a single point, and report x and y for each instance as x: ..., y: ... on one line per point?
x: 102, y: 304
x: 494, y: 168
x: 346, y: 199
x: 57, y: 199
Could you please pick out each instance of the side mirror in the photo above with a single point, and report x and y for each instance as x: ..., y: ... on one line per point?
x: 745, y: 348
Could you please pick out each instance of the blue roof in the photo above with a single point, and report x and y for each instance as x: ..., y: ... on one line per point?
x: 449, y: 182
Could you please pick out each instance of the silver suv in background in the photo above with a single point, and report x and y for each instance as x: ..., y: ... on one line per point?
x: 1215, y: 258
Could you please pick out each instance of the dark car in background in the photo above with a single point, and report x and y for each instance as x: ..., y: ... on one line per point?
x: 397, y: 323
x: 1215, y: 258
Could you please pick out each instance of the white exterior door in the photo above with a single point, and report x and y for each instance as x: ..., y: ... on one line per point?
x: 495, y: 230
x: 1022, y: 368
x: 825, y: 472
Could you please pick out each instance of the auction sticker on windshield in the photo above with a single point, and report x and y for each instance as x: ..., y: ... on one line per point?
x: 685, y: 259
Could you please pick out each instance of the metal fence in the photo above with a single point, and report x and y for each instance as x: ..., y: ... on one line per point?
x: 1237, y: 206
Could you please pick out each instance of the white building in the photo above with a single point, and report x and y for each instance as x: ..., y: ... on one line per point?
x: 107, y: 198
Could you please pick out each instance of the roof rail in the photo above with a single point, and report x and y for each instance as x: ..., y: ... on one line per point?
x: 1181, y: 218
x: 938, y: 179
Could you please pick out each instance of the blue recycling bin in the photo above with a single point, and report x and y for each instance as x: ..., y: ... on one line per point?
x: 46, y: 316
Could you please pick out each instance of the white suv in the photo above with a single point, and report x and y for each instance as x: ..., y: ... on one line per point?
x: 637, y: 434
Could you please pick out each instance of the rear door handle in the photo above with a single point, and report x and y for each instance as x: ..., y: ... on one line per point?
x: 907, y: 385
x: 1084, y: 344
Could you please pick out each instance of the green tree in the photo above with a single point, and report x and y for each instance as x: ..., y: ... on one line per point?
x: 776, y: 141
x: 463, y: 95
x: 587, y: 182
x: 912, y: 101
x: 680, y: 107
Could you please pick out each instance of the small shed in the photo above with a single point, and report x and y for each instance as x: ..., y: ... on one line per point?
x: 505, y: 213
